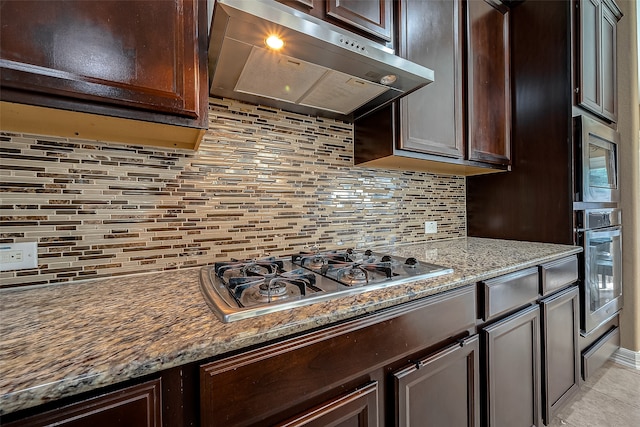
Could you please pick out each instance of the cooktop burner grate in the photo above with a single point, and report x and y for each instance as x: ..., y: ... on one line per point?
x: 239, y: 289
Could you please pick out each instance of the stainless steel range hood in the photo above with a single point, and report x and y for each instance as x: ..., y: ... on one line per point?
x: 321, y: 70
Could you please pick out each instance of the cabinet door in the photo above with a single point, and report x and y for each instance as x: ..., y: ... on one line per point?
x: 431, y: 34
x: 356, y: 409
x: 609, y: 60
x: 136, y: 406
x: 371, y: 16
x: 275, y: 382
x: 372, y: 19
x: 441, y: 390
x: 489, y: 99
x: 512, y: 370
x: 597, y: 42
x: 589, y: 93
x: 560, y: 354
x: 142, y: 55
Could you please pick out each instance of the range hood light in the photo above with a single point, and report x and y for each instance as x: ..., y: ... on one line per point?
x: 274, y: 42
x: 388, y: 79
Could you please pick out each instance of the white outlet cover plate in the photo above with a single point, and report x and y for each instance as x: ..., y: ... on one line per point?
x: 430, y: 227
x: 18, y: 256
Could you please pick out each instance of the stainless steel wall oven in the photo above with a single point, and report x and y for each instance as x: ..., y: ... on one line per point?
x: 600, y: 234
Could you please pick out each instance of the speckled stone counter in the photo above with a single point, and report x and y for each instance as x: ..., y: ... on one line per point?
x: 62, y: 340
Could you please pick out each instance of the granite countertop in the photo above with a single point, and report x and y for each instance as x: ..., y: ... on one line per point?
x: 60, y: 340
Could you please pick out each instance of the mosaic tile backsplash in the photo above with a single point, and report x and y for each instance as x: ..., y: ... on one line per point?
x: 262, y: 182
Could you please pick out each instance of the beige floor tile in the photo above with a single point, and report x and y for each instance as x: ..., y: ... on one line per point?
x: 595, y: 409
x: 611, y: 398
x: 620, y: 383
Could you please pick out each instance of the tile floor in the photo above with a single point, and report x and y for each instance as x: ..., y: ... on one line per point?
x: 610, y: 398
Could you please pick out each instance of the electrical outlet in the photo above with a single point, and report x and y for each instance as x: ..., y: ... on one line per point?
x: 430, y: 227
x: 18, y: 256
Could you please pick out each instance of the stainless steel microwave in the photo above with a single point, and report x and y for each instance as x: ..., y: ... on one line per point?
x: 596, y: 161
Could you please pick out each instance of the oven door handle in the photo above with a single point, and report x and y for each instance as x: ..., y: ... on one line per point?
x: 609, y: 231
x: 585, y: 236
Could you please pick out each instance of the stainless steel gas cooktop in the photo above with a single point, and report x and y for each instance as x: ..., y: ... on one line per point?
x: 240, y: 289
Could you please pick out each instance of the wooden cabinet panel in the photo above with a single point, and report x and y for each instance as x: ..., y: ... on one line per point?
x: 371, y: 16
x: 560, y: 354
x: 275, y: 382
x: 609, y: 70
x: 96, y: 59
x: 489, y: 97
x: 512, y: 370
x: 508, y: 293
x: 356, y: 409
x: 441, y: 390
x: 104, y: 51
x: 432, y: 118
x: 461, y: 123
x: 135, y: 406
x: 596, y: 59
x: 372, y: 19
x: 533, y: 202
x: 558, y: 274
x: 589, y: 60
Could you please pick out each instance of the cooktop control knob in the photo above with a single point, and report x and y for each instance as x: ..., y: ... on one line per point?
x: 385, y: 258
x: 411, y: 262
x: 368, y: 252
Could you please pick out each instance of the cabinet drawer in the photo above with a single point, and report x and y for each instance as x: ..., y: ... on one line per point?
x: 558, y: 274
x: 595, y: 356
x: 138, y: 405
x: 508, y: 292
x: 357, y: 408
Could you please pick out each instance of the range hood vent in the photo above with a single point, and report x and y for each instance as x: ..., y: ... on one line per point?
x: 321, y: 70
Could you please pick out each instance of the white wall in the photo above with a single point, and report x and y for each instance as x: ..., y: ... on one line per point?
x: 628, y: 126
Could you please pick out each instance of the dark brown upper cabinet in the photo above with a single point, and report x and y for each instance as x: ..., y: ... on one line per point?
x: 143, y: 62
x: 373, y: 16
x: 461, y: 123
x: 596, y: 82
x: 433, y: 33
x: 369, y: 18
x: 489, y: 99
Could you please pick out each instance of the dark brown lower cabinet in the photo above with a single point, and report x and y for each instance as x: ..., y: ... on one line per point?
x: 442, y: 389
x: 560, y: 353
x: 416, y: 364
x: 343, y: 375
x: 136, y: 406
x: 511, y: 376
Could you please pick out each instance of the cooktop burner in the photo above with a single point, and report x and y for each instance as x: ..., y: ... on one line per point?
x: 239, y: 289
